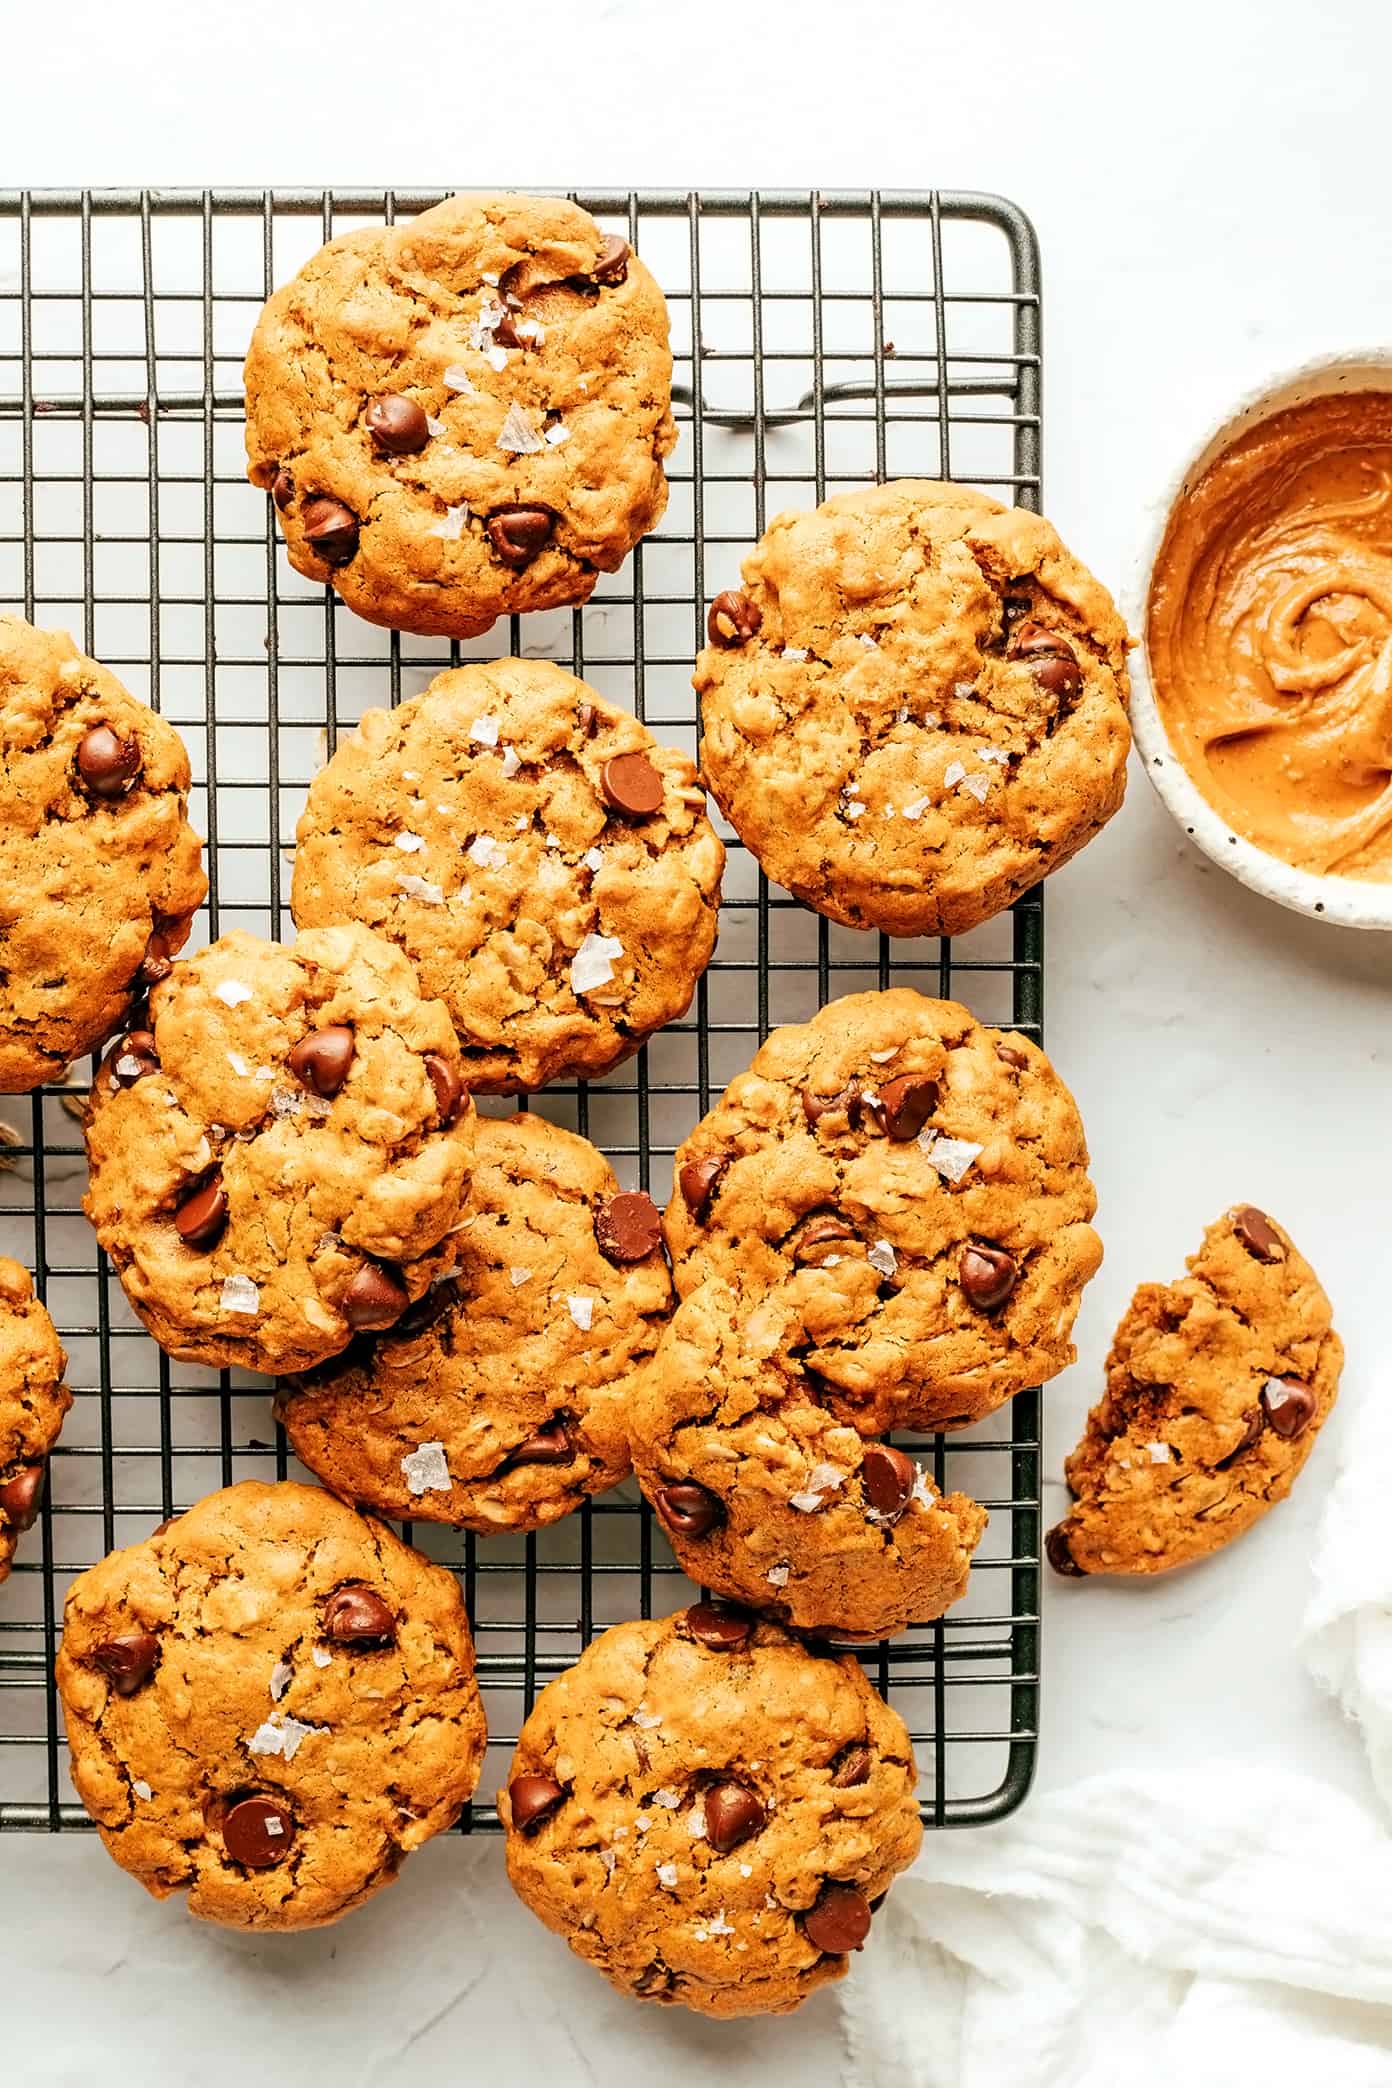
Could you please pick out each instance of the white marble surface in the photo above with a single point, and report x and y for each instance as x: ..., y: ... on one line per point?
x: 1209, y: 188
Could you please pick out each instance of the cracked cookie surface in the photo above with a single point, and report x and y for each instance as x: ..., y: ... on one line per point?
x: 33, y: 1401
x: 767, y: 1499
x: 913, y: 1190
x: 100, y: 871
x: 547, y: 866
x: 707, y: 1812
x: 915, y: 708
x: 507, y: 1408
x: 464, y: 417
x: 269, y: 1703
x: 278, y: 1160
x: 1217, y: 1386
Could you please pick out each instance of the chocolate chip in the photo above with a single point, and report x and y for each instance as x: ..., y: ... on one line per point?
x: 1289, y: 1406
x: 988, y: 1275
x: 587, y: 718
x: 20, y: 1496
x: 850, y: 1101
x: 733, y: 619
x: 718, y: 1628
x: 1253, y: 1422
x: 1258, y: 1235
x: 1013, y: 607
x: 612, y: 265
x: 1009, y: 1056
x: 107, y: 764
x: 135, y: 1058
x: 517, y: 534
x: 887, y: 1476
x: 1059, y: 1556
x: 904, y: 1105
x: 533, y: 1799
x: 155, y: 964
x: 1052, y: 658
x: 448, y: 1086
x: 357, y: 1616
x: 127, y: 1661
x: 688, y: 1510
x: 818, y: 1236
x: 632, y: 785
x: 282, y: 488
x: 397, y: 425
x: 852, y: 1768
x: 733, y: 1813
x: 321, y: 1060
x: 840, y: 1921
x: 331, y: 529
x: 257, y: 1831
x: 550, y: 1445
x: 697, y: 1181
x: 374, y: 1299
x: 628, y: 1227
x: 201, y: 1219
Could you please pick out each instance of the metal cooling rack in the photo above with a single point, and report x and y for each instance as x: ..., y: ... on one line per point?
x: 821, y: 342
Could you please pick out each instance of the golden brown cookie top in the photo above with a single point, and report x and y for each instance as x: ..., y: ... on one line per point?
x: 547, y: 866
x: 33, y: 1401
x: 269, y: 1702
x: 915, y: 706
x: 505, y: 1407
x: 706, y: 1811
x: 279, y: 1160
x: 768, y: 1499
x: 1217, y: 1386
x: 914, y: 1188
x: 100, y: 871
x: 465, y: 416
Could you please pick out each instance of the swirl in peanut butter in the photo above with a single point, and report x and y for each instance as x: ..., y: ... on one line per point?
x: 1269, y: 631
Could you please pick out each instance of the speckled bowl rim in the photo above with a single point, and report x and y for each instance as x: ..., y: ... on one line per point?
x: 1344, y: 900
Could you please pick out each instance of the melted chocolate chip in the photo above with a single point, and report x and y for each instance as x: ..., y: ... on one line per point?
x: 201, y: 1219
x: 1258, y: 1235
x: 852, y: 1768
x: 282, y: 488
x: 612, y: 265
x: 840, y: 1921
x: 134, y: 1059
x: 1253, y: 1421
x: 550, y: 1445
x: 331, y: 529
x: 1009, y: 1055
x: 904, y: 1105
x: 687, y: 1509
x: 397, y: 425
x: 533, y: 1799
x: 733, y: 619
x: 1051, y: 657
x: 355, y: 1615
x: 733, y: 1814
x: 1060, y: 1557
x: 720, y: 1629
x: 628, y: 1227
x: 987, y: 1275
x: 128, y: 1661
x: 632, y: 785
x: 107, y: 764
x: 1289, y: 1406
x: 517, y: 534
x: 698, y: 1181
x: 820, y: 1236
x: 257, y: 1831
x: 321, y: 1060
x: 374, y: 1299
x: 850, y: 1101
x: 20, y: 1496
x: 448, y: 1086
x: 587, y: 718
x: 155, y: 964
x: 887, y: 1477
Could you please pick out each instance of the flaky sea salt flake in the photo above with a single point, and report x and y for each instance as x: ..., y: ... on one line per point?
x: 720, y: 1926
x: 556, y: 435
x: 409, y: 844
x: 142, y: 1789
x: 581, y: 1311
x: 487, y: 853
x: 993, y: 754
x: 953, y: 774
x: 426, y: 1470
x: 422, y: 889
x: 696, y: 1823
x: 608, y: 1859
x: 667, y: 1798
x: 485, y: 730
x: 870, y: 644
x: 321, y: 1657
x: 853, y: 808
x: 795, y: 652
x: 283, y: 1736
x: 882, y: 1257
x: 451, y: 528
x: 593, y: 963
x: 519, y: 1277
x: 593, y: 859
x: 233, y: 991
x: 977, y: 786
x: 238, y: 1064
x: 642, y: 1716
x: 518, y: 435
x: 667, y: 1876
x: 457, y: 379
x: 433, y: 426
x: 951, y: 1157
x: 917, y: 808
x: 496, y: 356
x: 777, y: 1576
x: 512, y: 761
x: 1158, y: 1453
x: 239, y: 1294
x: 282, y: 1675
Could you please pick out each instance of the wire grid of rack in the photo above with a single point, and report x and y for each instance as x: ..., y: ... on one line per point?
x: 821, y: 341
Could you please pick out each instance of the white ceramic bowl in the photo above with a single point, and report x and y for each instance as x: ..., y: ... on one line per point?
x: 1347, y: 900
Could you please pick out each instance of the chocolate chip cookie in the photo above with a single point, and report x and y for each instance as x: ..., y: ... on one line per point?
x: 280, y: 1154
x: 269, y: 1703
x: 504, y: 1408
x: 709, y: 1813
x: 913, y: 1189
x: 915, y: 706
x: 768, y: 1499
x: 464, y: 416
x: 33, y: 1401
x: 100, y: 871
x: 1217, y: 1386
x: 549, y: 869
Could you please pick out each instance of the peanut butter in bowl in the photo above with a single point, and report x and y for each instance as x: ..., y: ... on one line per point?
x: 1269, y: 637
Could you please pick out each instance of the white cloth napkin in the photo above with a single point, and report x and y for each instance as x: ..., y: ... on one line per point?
x: 1348, y: 1624
x: 1171, y: 1931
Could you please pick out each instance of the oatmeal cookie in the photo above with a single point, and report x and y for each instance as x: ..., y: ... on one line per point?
x: 915, y: 708
x: 709, y: 1813
x: 913, y: 1188
x: 464, y: 417
x: 769, y: 1500
x: 505, y: 1407
x: 279, y: 1159
x: 33, y: 1401
x: 1217, y: 1386
x: 100, y: 871
x: 549, y: 869
x: 269, y: 1703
